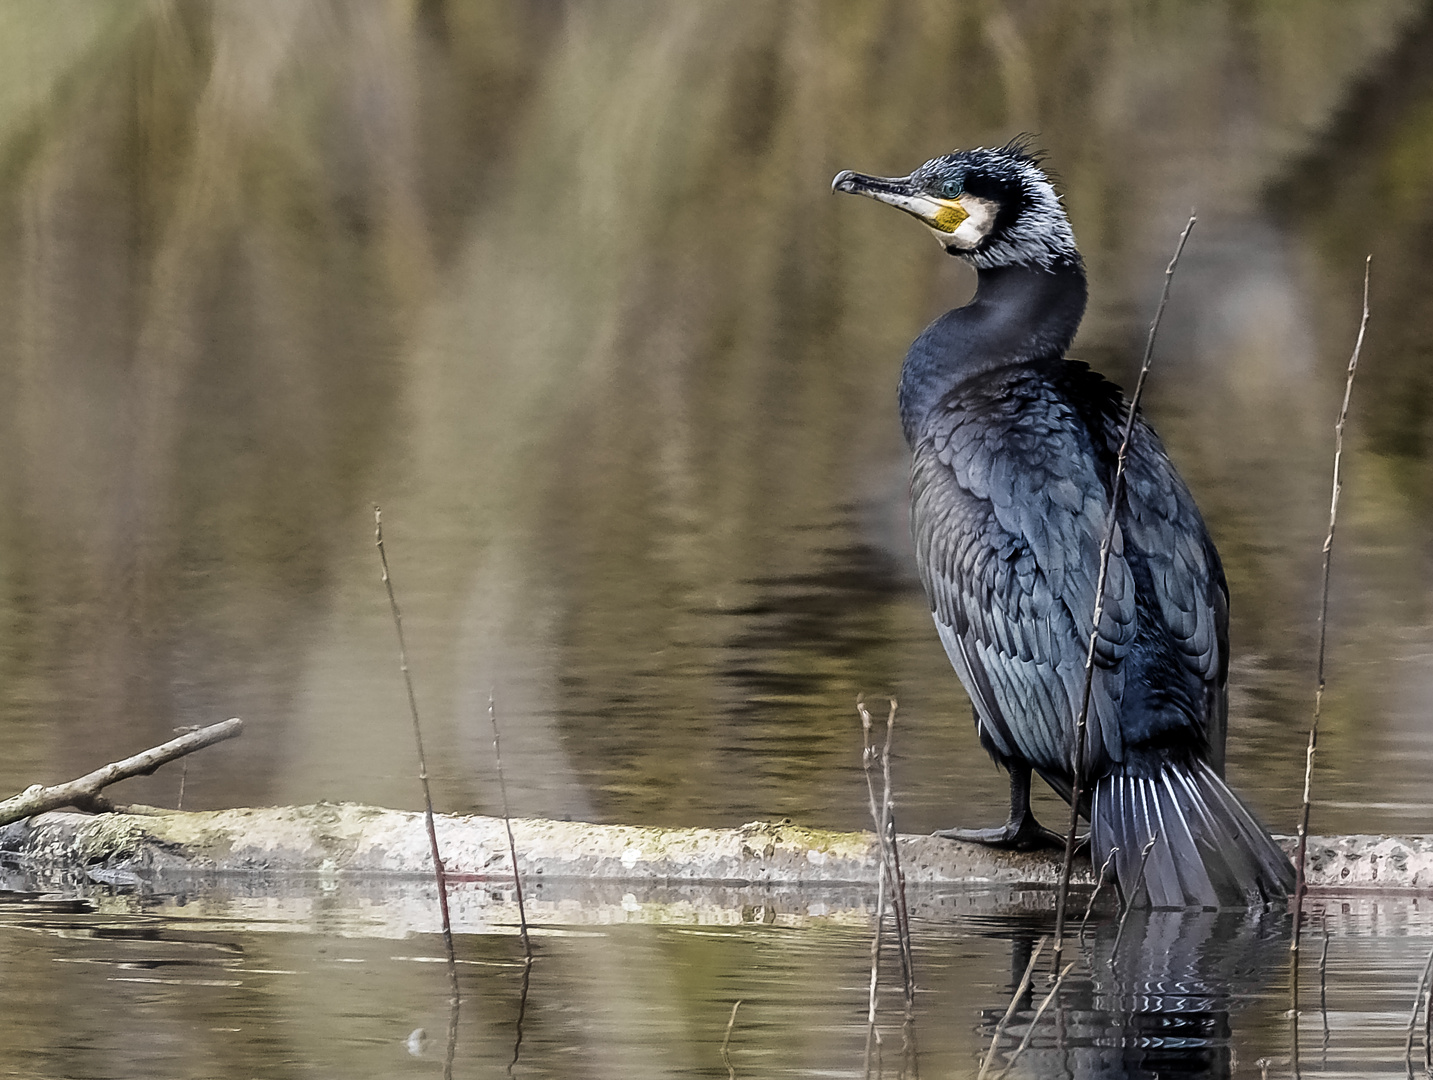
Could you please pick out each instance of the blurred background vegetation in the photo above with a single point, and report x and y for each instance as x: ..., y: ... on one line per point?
x: 562, y: 287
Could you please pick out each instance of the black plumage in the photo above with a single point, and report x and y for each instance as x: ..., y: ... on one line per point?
x: 1015, y: 450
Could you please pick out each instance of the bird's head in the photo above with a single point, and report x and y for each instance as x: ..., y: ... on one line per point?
x: 992, y: 207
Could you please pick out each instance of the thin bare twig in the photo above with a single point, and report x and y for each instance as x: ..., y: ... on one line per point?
x: 1010, y: 1009
x: 521, y: 1014
x: 910, y: 1052
x: 1413, y: 1016
x: 85, y: 792
x: 873, y: 1035
x: 1324, y: 984
x: 450, y: 1046
x: 1030, y: 1031
x: 438, y: 871
x: 726, y: 1041
x: 1428, y: 1025
x: 1106, y: 544
x: 1133, y: 896
x: 507, y: 823
x: 888, y: 875
x: 882, y: 814
x: 1099, y: 885
x: 183, y: 765
x: 1300, y: 883
x: 898, y: 881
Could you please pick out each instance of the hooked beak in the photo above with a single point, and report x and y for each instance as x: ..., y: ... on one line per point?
x: 942, y: 215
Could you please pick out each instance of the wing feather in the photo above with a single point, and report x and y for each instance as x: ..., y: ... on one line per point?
x: 1009, y: 501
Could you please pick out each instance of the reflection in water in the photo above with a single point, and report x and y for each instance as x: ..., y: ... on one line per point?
x: 124, y: 987
x: 1163, y: 1007
x: 521, y: 1007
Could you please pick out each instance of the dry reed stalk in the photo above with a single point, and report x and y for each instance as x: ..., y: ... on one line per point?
x: 1300, y: 883
x: 1413, y: 1018
x: 1324, y: 985
x: 726, y: 1041
x: 450, y: 1048
x: 883, y: 816
x: 438, y: 871
x: 183, y: 765
x: 873, y: 1037
x: 1301, y: 854
x: 1106, y: 543
x: 1035, y: 1020
x: 898, y: 891
x: 1099, y: 885
x: 521, y: 1013
x: 1133, y: 896
x: 1020, y: 989
x: 507, y: 824
x: 1428, y: 1025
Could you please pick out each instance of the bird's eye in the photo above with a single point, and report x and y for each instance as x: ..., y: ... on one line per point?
x: 951, y: 188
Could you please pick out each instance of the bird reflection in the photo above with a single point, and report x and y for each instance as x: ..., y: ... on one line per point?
x: 1160, y: 1008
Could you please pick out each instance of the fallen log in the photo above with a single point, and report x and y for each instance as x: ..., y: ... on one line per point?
x: 360, y: 870
x: 352, y: 869
x: 347, y: 838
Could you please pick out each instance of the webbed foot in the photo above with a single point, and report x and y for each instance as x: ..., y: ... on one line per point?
x: 1026, y: 834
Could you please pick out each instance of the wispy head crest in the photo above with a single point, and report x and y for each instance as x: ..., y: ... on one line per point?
x: 1024, y: 145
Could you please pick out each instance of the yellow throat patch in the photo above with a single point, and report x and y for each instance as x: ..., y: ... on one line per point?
x: 949, y: 216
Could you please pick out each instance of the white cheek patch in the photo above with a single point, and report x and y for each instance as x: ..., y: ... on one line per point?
x: 974, y: 228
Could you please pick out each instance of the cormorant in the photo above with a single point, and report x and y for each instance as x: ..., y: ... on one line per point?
x: 1015, y: 449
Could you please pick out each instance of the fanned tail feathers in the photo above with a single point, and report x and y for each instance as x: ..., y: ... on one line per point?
x: 1210, y: 850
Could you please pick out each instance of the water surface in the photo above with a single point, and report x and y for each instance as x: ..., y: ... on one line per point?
x: 111, y: 988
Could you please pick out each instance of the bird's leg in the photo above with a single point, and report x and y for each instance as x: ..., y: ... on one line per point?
x: 1022, y: 832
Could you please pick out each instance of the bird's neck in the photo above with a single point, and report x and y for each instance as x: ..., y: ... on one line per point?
x: 1019, y: 315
